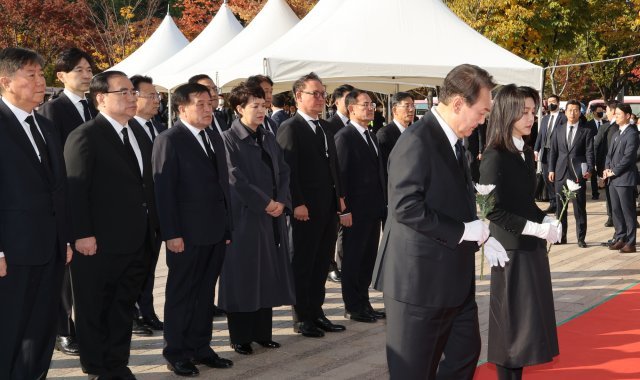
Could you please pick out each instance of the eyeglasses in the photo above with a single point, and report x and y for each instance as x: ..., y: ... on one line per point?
x: 134, y: 93
x: 370, y: 106
x: 316, y: 94
x: 409, y: 107
x: 153, y: 95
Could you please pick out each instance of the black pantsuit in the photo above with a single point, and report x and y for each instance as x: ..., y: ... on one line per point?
x: 253, y: 326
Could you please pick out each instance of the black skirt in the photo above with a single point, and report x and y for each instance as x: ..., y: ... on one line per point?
x: 522, y: 322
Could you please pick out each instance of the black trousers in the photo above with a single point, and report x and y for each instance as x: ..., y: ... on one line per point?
x: 313, y: 242
x: 336, y: 261
x: 106, y: 286
x: 145, y: 301
x: 607, y: 193
x: 551, y: 190
x: 579, y: 208
x: 432, y: 342
x: 188, y: 307
x: 623, y: 210
x: 360, y: 243
x: 29, y: 296
x: 247, y: 327
x: 66, y: 327
x: 595, y: 192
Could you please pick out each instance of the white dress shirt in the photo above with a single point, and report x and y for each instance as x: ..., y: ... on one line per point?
x: 196, y: 134
x: 451, y: 135
x: 400, y: 126
x: 143, y: 123
x: 519, y: 143
x: 75, y: 99
x: 344, y: 119
x: 132, y: 138
x: 362, y: 131
x: 575, y: 130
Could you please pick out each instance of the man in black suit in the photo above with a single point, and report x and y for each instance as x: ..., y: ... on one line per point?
x: 474, y: 145
x: 218, y: 120
x: 571, y: 158
x: 278, y: 102
x: 192, y: 192
x: 266, y: 84
x: 74, y: 69
x: 362, y: 177
x: 147, y: 107
x: 114, y: 223
x: 602, y: 143
x: 594, y: 126
x: 426, y: 261
x: 403, y: 110
x: 341, y: 117
x: 34, y: 236
x: 543, y: 144
x: 310, y: 151
x: 622, y: 175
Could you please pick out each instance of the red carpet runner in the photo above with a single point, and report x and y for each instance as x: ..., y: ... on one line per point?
x: 598, y: 344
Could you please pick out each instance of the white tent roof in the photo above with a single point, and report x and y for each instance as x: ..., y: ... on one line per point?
x: 163, y: 43
x: 275, y: 19
x: 415, y: 43
x: 222, y: 29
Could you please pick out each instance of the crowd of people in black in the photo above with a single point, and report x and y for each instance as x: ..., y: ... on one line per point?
x: 92, y: 183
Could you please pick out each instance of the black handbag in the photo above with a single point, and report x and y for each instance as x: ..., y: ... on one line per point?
x: 541, y: 194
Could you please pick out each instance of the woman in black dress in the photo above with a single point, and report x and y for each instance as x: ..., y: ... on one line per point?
x: 522, y: 325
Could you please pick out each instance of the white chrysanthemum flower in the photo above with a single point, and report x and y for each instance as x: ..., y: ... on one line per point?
x: 573, y: 186
x: 484, y: 189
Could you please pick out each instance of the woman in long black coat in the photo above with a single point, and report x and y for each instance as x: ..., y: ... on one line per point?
x: 256, y: 275
x: 522, y: 325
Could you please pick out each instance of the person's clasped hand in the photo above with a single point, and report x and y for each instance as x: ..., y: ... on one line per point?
x: 475, y: 231
x: 495, y: 253
x: 551, y: 232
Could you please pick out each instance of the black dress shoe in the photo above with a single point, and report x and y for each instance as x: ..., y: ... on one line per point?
x: 140, y: 330
x: 608, y: 223
x: 214, y: 362
x: 595, y: 197
x: 550, y: 210
x: 268, y: 344
x: 335, y: 276
x: 153, y: 322
x: 561, y: 242
x: 67, y: 345
x: 379, y: 314
x: 307, y: 329
x: 325, y: 324
x: 242, y: 349
x: 183, y: 368
x: 360, y: 316
x: 582, y: 244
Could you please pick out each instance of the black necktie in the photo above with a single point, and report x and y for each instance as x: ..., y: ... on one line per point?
x: 321, y: 137
x: 40, y: 144
x: 570, y: 138
x: 129, y: 148
x: 372, y: 148
x: 152, y: 131
x: 207, y: 148
x: 459, y: 153
x: 87, y: 112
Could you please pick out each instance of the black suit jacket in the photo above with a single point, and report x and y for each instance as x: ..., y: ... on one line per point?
x: 361, y: 174
x: 602, y: 143
x: 143, y: 129
x: 543, y: 129
x: 562, y: 157
x: 334, y: 124
x: 311, y: 178
x: 109, y: 198
x: 33, y: 204
x: 514, y: 195
x: 622, y: 156
x: 64, y: 115
x: 192, y: 194
x: 387, y: 138
x: 279, y: 117
x: 420, y: 260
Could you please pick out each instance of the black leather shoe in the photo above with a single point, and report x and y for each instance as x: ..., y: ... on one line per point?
x: 242, y: 349
x: 326, y: 325
x: 183, y: 368
x: 360, y: 316
x: 561, y: 242
x: 214, y: 362
x: 269, y: 344
x: 550, y: 210
x: 153, y: 322
x: 595, y: 197
x: 67, y: 345
x: 608, y: 223
x: 307, y: 329
x: 218, y: 312
x: 379, y: 314
x: 141, y: 330
x: 582, y: 244
x: 335, y: 276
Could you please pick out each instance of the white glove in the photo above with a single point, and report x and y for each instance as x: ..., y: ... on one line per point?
x: 550, y: 219
x: 495, y: 253
x: 550, y: 232
x: 475, y: 231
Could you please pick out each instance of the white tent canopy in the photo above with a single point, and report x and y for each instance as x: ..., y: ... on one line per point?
x: 222, y: 29
x: 415, y: 43
x: 275, y: 19
x: 163, y: 43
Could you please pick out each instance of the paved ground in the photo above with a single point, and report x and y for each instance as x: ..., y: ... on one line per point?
x: 581, y: 278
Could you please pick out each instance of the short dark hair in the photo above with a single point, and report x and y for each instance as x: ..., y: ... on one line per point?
x: 612, y: 104
x: 257, y: 80
x: 341, y: 91
x: 506, y: 111
x: 181, y: 94
x: 596, y: 105
x: 466, y: 81
x: 399, y: 97
x: 626, y: 108
x: 352, y: 96
x: 556, y: 97
x: 137, y: 79
x: 197, y: 77
x: 279, y: 100
x: 239, y: 95
x: 100, y: 83
x: 69, y: 58
x: 573, y: 102
x: 300, y: 83
x: 14, y: 58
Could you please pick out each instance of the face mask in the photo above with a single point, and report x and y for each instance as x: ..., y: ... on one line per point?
x: 599, y: 115
x: 553, y: 107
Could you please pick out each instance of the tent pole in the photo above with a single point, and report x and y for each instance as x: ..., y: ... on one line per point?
x: 542, y: 76
x: 169, y: 115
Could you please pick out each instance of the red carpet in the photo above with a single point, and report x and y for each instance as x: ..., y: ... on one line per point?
x: 602, y: 343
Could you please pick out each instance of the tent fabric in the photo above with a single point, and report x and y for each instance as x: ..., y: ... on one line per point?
x: 274, y: 19
x: 162, y: 44
x: 222, y: 29
x: 386, y: 46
